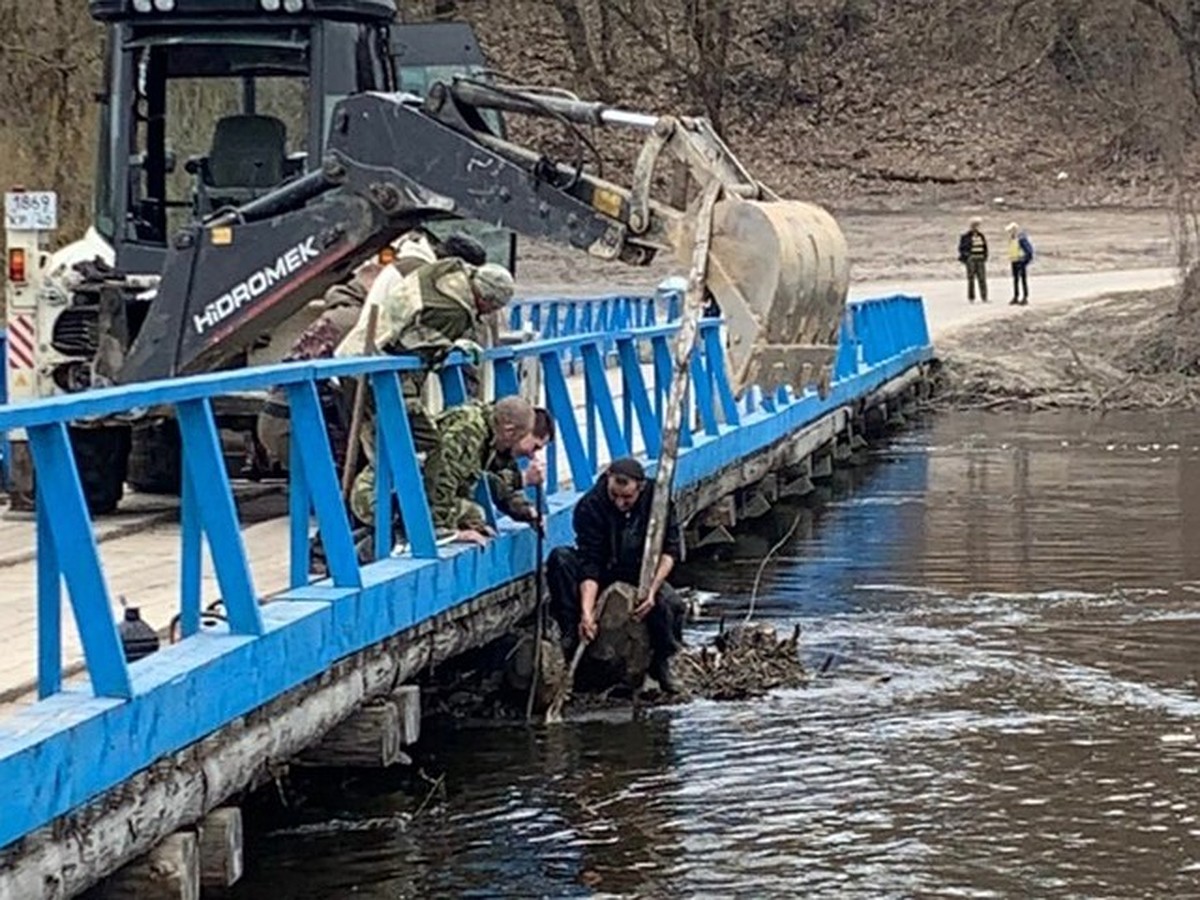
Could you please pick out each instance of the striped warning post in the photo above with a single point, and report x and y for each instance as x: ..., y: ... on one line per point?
x: 21, y: 342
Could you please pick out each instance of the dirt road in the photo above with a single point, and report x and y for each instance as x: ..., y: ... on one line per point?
x: 919, y: 246
x: 947, y: 309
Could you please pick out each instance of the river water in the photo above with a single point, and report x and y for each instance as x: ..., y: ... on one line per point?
x: 1008, y: 612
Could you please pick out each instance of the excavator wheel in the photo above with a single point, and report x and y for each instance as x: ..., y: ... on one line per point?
x: 102, y: 458
x: 156, y: 458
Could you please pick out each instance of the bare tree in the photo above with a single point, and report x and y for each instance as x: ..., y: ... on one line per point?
x: 576, y: 32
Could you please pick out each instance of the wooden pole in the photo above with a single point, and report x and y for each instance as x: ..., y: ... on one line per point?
x: 221, y: 848
x: 356, y: 415
x: 369, y: 738
x: 538, y: 606
x: 171, y: 871
x: 685, y: 343
x: 559, y: 700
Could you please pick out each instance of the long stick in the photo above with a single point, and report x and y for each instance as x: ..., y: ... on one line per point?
x: 554, y: 710
x: 356, y: 416
x: 539, y: 602
x: 685, y: 343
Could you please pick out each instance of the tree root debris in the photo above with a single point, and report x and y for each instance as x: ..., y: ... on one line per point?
x: 742, y: 662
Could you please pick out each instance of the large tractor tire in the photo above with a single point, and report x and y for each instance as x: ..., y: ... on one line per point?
x: 20, y: 479
x: 102, y: 457
x: 156, y: 458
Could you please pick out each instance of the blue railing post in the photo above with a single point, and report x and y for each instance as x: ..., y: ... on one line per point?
x: 595, y: 376
x: 703, y: 393
x: 190, y: 551
x: 60, y: 493
x: 204, y: 463
x: 558, y: 399
x: 639, y: 397
x: 507, y: 380
x: 319, y: 480
x: 714, y: 355
x: 396, y: 449
x: 49, y: 608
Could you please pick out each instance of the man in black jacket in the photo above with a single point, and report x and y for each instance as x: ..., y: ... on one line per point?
x: 973, y: 253
x: 610, y: 535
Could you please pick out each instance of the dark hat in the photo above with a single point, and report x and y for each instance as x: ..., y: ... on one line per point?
x: 464, y: 247
x: 627, y: 467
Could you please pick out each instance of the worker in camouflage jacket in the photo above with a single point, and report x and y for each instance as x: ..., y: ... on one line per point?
x: 475, y: 440
x: 429, y: 312
x: 342, y: 304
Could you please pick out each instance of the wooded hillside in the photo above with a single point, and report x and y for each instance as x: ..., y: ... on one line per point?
x: 855, y: 103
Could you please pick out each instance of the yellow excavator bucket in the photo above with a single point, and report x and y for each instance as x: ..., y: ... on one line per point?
x: 780, y: 271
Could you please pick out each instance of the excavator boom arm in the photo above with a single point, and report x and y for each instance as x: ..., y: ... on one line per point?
x: 393, y: 163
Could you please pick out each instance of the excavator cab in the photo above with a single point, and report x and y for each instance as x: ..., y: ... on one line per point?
x: 207, y: 105
x: 210, y: 104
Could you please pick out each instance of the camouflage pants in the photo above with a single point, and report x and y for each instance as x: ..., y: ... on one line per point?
x: 420, y: 422
x: 467, y: 513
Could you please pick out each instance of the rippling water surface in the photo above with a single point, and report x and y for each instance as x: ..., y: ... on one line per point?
x: 1010, y: 607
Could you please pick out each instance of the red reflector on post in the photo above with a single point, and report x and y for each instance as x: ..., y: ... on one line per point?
x: 16, y: 265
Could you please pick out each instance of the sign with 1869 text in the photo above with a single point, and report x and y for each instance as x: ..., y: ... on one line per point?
x: 31, y: 210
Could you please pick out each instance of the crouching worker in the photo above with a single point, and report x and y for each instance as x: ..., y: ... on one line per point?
x: 506, y: 480
x: 503, y: 472
x: 469, y: 438
x: 610, y: 522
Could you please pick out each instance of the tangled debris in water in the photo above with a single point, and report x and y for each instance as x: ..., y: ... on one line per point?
x: 744, y: 661
x: 741, y: 662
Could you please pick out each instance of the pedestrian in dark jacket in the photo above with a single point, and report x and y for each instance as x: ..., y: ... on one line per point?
x: 973, y: 253
x: 1020, y: 255
x: 610, y: 522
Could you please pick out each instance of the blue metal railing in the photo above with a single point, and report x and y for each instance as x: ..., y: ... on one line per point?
x: 555, y: 317
x: 212, y: 676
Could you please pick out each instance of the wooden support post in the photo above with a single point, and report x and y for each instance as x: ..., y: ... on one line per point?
x: 857, y: 441
x: 770, y: 486
x: 875, y: 420
x: 407, y: 698
x: 722, y: 513
x: 798, y: 487
x: 370, y: 738
x: 221, y: 848
x: 841, y: 451
x: 755, y: 505
x: 171, y: 871
x: 719, y: 536
x: 822, y: 465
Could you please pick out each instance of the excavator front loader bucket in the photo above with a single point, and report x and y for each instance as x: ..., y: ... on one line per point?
x: 780, y: 271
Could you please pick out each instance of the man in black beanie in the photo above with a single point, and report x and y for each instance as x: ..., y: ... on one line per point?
x: 610, y: 536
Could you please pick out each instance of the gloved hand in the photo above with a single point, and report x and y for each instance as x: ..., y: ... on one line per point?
x: 471, y: 350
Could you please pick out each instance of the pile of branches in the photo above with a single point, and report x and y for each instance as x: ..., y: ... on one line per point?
x: 743, y: 662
